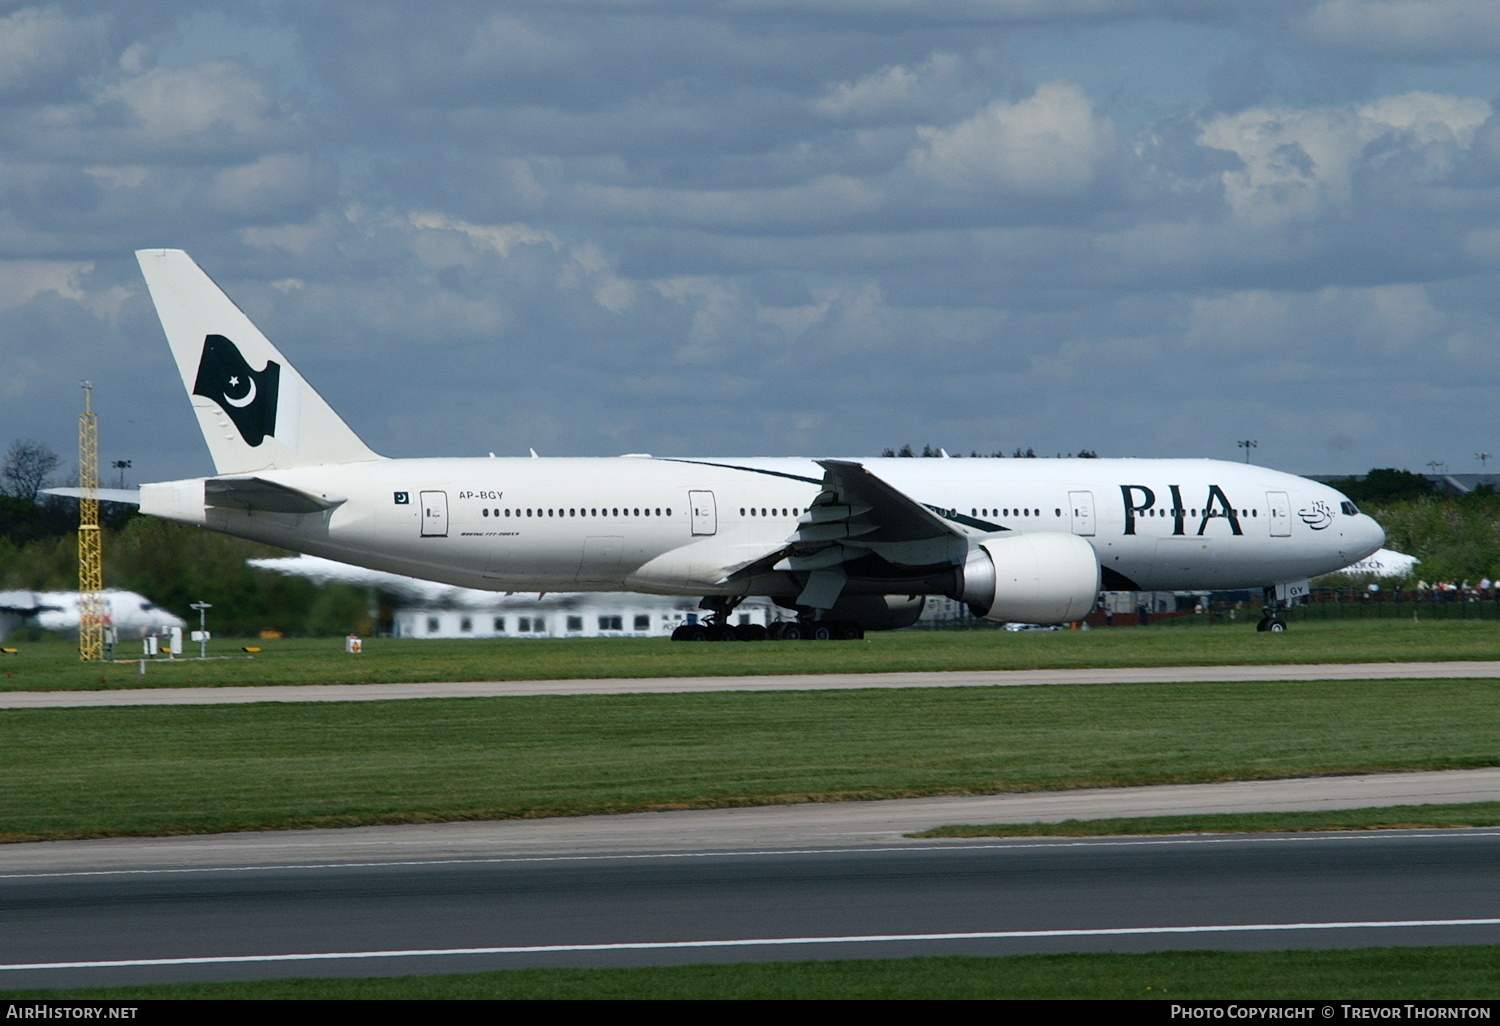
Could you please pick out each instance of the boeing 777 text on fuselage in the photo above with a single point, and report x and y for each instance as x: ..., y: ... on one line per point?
x: 845, y: 545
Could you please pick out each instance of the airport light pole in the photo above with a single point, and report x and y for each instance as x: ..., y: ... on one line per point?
x: 1483, y: 458
x: 203, y: 608
x: 1247, y: 444
x: 121, y: 466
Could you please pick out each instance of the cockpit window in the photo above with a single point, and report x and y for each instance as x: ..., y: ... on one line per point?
x: 1350, y: 510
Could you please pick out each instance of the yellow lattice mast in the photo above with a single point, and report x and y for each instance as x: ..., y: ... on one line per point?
x: 90, y: 544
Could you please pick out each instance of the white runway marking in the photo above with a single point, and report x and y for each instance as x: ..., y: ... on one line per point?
x: 534, y: 949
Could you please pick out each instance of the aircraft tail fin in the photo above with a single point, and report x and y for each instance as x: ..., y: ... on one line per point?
x: 256, y: 412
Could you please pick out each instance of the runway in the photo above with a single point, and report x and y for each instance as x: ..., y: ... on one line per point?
x: 1003, y: 897
x: 785, y: 682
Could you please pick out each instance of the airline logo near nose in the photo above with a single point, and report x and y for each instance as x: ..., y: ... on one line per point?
x: 1317, y: 516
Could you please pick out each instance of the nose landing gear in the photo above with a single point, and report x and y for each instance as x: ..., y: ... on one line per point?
x: 1270, y: 619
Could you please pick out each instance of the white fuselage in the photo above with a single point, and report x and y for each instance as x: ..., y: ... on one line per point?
x: 678, y: 526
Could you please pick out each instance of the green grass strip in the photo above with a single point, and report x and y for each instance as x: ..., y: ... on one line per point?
x: 196, y: 769
x: 53, y: 664
x: 1394, y: 817
x: 1444, y: 973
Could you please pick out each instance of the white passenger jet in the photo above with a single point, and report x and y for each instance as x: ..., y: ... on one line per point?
x: 844, y: 545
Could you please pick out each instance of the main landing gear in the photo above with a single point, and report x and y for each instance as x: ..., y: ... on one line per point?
x: 807, y: 626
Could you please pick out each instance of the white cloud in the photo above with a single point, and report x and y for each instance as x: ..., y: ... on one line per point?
x: 894, y: 91
x: 1335, y: 327
x: 41, y: 48
x: 1298, y: 163
x: 501, y: 238
x: 209, y: 107
x: 22, y: 280
x: 1052, y: 144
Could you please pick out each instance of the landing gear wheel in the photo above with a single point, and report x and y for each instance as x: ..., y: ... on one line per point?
x: 792, y: 632
x: 1275, y: 624
x: 846, y: 631
x: 819, y: 631
x: 750, y: 632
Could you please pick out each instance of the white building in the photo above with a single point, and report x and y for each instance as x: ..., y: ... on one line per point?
x: 562, y: 615
x: 431, y: 610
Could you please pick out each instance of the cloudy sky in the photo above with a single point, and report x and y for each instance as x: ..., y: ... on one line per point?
x: 1145, y: 227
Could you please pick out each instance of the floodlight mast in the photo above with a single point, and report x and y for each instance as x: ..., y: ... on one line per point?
x: 91, y: 614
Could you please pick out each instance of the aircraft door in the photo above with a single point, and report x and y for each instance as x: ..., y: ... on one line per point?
x: 434, y: 514
x: 1279, y: 509
x: 705, y: 514
x: 1083, y: 513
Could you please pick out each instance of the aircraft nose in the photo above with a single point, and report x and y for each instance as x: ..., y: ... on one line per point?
x: 1365, y: 538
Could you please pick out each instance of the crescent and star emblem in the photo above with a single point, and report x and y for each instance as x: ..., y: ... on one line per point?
x: 246, y: 399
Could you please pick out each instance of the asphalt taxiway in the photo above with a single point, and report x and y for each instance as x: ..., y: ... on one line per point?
x: 784, y: 682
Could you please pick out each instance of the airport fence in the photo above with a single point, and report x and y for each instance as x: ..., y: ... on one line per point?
x: 1322, y: 607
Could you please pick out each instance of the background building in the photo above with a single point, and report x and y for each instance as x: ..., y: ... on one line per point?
x: 426, y: 609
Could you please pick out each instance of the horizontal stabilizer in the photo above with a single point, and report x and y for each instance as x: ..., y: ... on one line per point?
x: 129, y: 496
x: 256, y: 493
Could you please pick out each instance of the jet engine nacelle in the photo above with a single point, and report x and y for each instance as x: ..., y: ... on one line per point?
x: 1033, y: 578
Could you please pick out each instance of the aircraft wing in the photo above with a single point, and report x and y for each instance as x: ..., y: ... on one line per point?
x: 256, y: 493
x: 855, y: 515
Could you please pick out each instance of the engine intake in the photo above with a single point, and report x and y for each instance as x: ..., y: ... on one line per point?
x: 1033, y: 578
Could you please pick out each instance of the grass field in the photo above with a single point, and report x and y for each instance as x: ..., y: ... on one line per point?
x: 1369, y: 974
x: 53, y: 664
x: 191, y: 769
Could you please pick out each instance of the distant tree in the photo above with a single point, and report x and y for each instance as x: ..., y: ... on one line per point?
x: 905, y: 450
x: 1386, y: 485
x: 1087, y: 454
x: 1028, y: 454
x: 26, y: 467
